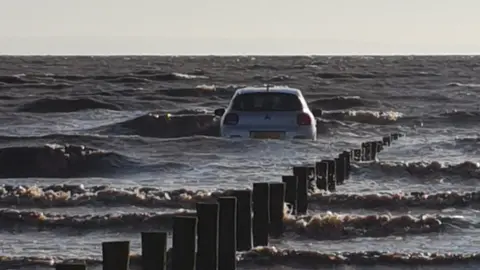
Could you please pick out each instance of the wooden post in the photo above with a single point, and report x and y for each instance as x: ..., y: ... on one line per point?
x: 154, y: 250
x: 277, y: 199
x: 340, y: 170
x: 347, y: 157
x: 357, y: 154
x: 261, y: 205
x: 367, y: 151
x: 244, y: 219
x: 290, y: 191
x: 183, y: 243
x: 321, y: 170
x: 70, y: 266
x: 116, y: 255
x: 207, y: 236
x: 311, y: 179
x: 332, y: 184
x: 379, y: 146
x: 363, y: 156
x: 386, y: 140
x: 373, y: 154
x: 227, y: 233
x: 302, y: 189
x: 374, y: 148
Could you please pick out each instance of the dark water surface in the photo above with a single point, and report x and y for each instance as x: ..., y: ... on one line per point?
x: 130, y: 123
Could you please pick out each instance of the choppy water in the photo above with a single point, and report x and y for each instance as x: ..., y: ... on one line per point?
x: 140, y: 165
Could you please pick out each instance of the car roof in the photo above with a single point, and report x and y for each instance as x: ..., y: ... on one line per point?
x: 274, y: 89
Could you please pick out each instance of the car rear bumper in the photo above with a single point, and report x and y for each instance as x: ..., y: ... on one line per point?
x: 306, y: 133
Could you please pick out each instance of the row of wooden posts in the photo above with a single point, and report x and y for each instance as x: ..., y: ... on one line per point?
x: 210, y: 239
x: 328, y: 174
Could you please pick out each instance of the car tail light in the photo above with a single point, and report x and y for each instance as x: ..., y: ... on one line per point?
x: 230, y: 119
x: 304, y: 119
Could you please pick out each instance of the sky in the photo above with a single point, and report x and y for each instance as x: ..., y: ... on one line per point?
x: 256, y: 27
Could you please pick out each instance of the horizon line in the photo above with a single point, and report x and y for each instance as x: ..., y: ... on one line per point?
x: 241, y: 55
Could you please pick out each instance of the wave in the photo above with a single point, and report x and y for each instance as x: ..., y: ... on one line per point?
x: 59, y: 161
x: 64, y: 81
x: 372, y: 75
x: 327, y: 226
x: 451, y: 117
x: 398, y: 201
x: 466, y: 169
x: 345, y: 75
x: 15, y: 219
x: 49, y: 105
x: 458, y: 84
x: 78, y: 195
x: 340, y: 103
x: 201, y: 90
x: 185, y: 123
x: 455, y: 117
x: 141, y: 75
x: 330, y: 226
x: 193, y: 123
x: 461, y: 116
x: 166, y: 125
x: 366, y: 117
x: 285, y: 257
x: 467, y: 140
x: 296, y: 258
x: 40, y: 85
x: 390, y: 117
x: 275, y: 78
x: 14, y: 79
x: 70, y: 138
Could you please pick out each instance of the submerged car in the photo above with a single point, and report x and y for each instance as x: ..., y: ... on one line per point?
x: 267, y: 113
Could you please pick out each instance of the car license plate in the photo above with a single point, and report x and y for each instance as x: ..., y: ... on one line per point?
x: 267, y: 135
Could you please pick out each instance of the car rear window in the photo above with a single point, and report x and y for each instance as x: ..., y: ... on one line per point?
x: 266, y: 102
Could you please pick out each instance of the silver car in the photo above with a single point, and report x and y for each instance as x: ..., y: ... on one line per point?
x: 267, y: 113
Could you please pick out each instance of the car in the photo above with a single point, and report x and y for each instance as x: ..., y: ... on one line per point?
x: 267, y: 113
